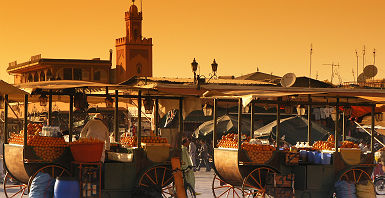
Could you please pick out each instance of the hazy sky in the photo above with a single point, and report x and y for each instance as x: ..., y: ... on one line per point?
x: 274, y: 35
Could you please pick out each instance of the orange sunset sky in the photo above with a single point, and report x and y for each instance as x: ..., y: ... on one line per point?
x: 274, y: 35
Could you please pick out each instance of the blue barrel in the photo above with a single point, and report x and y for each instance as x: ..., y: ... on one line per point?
x: 66, y: 187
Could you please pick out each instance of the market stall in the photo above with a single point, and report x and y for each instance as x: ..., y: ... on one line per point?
x: 249, y: 168
x: 137, y: 161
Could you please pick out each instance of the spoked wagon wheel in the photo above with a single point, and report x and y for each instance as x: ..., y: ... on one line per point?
x: 159, y: 178
x: 53, y: 170
x: 356, y: 175
x: 254, y: 185
x: 12, y: 188
x: 222, y: 189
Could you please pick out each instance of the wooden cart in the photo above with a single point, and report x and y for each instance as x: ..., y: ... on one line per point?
x: 116, y: 178
x: 237, y: 176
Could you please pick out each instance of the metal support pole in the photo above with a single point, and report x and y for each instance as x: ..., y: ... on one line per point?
x: 71, y: 117
x: 239, y: 123
x: 156, y: 117
x: 215, y: 118
x: 116, y: 117
x: 181, y: 126
x: 372, y: 133
x: 336, y: 133
x: 309, y: 120
x: 278, y: 125
x: 25, y: 119
x: 252, y: 119
x: 139, y: 129
x: 50, y: 108
x: 343, y: 127
x: 5, y: 119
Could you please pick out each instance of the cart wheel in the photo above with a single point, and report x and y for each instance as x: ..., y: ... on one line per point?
x: 159, y: 178
x: 355, y: 175
x: 221, y: 188
x: 12, y: 187
x: 254, y: 185
x: 53, y: 170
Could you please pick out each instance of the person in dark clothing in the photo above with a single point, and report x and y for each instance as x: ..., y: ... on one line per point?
x: 203, y: 156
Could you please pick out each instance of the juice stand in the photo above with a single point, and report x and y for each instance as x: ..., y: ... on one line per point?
x: 134, y: 163
x: 257, y: 170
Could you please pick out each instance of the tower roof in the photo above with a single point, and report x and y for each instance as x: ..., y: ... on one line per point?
x: 133, y: 10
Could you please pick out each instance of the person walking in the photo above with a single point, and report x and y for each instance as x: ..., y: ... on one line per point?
x: 204, y: 157
x: 186, y: 162
x: 193, y: 153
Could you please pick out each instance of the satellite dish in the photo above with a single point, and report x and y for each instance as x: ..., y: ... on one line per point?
x: 288, y: 80
x: 361, y: 78
x: 370, y: 71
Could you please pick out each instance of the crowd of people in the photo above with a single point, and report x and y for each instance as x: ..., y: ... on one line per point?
x: 199, y: 153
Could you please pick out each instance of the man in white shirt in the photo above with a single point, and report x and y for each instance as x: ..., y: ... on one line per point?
x: 96, y: 128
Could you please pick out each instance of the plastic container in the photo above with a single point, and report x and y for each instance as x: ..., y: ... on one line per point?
x: 91, y: 152
x: 66, y: 187
x: 311, y: 156
x: 326, y: 158
x: 303, y: 155
x: 317, y: 158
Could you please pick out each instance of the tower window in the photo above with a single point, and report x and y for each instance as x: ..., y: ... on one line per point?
x: 67, y: 74
x: 139, y: 68
x: 77, y: 74
x: 97, y: 76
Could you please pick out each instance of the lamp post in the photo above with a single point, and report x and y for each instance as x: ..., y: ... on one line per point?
x: 214, y: 67
x: 194, y: 67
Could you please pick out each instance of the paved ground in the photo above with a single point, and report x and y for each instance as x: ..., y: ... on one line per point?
x: 203, y: 183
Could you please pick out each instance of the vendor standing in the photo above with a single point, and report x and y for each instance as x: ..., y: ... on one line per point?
x: 95, y: 128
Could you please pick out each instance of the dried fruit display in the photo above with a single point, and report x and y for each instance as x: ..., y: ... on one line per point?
x: 323, y: 145
x: 258, y: 153
x: 131, y: 141
x: 349, y: 144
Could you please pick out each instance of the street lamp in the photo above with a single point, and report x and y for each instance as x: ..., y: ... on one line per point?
x: 214, y: 67
x: 194, y: 67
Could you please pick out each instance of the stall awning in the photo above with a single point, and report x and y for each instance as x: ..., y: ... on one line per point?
x: 14, y: 93
x: 62, y: 84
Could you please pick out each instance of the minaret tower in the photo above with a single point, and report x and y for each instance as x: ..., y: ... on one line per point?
x: 133, y: 52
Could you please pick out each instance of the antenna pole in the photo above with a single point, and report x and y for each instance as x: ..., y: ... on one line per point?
x: 374, y: 61
x: 357, y: 65
x: 311, y: 52
x: 363, y: 59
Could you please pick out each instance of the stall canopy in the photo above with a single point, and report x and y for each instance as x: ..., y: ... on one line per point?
x: 14, y: 93
x: 225, y: 124
x: 294, y: 129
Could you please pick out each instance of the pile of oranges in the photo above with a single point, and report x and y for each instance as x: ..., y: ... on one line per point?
x: 17, y: 139
x: 43, y: 141
x: 33, y: 129
x: 258, y: 153
x: 348, y: 144
x: 131, y: 141
x: 90, y: 140
x: 229, y: 141
x: 331, y: 138
x: 323, y: 145
x: 48, y: 153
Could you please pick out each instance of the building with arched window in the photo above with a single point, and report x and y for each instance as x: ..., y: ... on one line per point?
x: 47, y: 69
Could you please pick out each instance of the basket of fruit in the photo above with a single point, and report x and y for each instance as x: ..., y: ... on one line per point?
x: 258, y: 153
x: 87, y: 150
x: 48, y: 149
